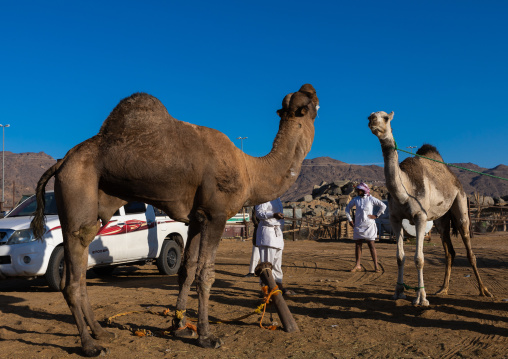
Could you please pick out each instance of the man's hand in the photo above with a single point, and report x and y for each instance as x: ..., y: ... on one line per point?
x: 278, y: 215
x: 371, y: 216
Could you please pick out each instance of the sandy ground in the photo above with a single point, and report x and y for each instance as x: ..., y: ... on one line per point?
x: 340, y: 314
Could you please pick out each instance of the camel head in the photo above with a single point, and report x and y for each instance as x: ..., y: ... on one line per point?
x: 379, y: 124
x: 300, y: 104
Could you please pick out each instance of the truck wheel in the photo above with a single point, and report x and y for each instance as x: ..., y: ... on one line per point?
x: 55, y: 269
x: 170, y: 258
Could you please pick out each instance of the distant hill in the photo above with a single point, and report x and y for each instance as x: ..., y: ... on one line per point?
x: 483, y: 184
x: 319, y: 169
x: 23, y: 170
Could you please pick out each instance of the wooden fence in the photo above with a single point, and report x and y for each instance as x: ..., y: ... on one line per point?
x: 483, y: 219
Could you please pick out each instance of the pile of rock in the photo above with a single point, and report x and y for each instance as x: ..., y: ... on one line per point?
x: 488, y: 201
x: 501, y: 201
x: 329, y: 200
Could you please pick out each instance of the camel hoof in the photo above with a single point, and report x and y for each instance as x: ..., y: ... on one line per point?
x: 210, y: 342
x: 421, y: 302
x: 442, y: 292
x: 485, y: 293
x: 105, y: 336
x: 95, y: 351
x: 399, y: 296
x: 184, y: 333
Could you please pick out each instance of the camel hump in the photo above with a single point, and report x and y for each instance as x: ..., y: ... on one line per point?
x: 134, y: 112
x: 429, y: 151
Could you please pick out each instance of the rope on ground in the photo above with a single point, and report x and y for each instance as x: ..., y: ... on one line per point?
x: 179, y: 314
x: 259, y: 310
x: 138, y: 332
x: 396, y: 148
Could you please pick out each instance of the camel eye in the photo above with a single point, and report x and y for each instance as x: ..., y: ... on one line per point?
x: 386, y: 118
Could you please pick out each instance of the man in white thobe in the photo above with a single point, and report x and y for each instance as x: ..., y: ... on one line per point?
x: 365, y: 228
x: 269, y: 237
x: 254, y: 258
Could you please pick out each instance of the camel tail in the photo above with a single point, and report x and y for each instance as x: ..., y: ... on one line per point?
x: 38, y: 224
x: 455, y: 229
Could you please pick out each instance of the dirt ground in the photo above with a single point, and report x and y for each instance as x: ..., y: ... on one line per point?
x: 340, y: 314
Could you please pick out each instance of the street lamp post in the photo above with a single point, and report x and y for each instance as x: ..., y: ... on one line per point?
x: 411, y: 148
x: 241, y: 141
x: 3, y: 163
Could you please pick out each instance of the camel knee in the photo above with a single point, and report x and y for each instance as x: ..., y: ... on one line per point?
x: 70, y: 291
x: 464, y: 224
x: 419, y: 262
x: 204, y: 286
x: 205, y: 279
x: 472, y: 259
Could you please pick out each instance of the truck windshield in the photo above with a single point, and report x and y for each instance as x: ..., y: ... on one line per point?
x: 28, y: 207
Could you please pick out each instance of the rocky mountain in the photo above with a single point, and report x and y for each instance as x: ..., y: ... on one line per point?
x: 23, y: 170
x: 486, y: 185
x: 314, y: 171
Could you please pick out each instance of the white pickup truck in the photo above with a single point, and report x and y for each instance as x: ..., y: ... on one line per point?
x: 136, y: 234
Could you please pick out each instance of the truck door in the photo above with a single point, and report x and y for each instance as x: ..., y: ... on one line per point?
x: 141, y: 231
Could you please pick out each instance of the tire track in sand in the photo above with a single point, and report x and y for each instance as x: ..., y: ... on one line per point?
x: 469, y: 347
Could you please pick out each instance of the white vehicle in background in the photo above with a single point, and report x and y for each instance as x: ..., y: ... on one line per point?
x: 136, y: 234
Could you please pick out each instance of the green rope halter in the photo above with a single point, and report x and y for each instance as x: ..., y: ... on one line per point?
x: 409, y: 287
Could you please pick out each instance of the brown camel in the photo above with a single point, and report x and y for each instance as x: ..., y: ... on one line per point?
x: 195, y: 174
x: 422, y: 190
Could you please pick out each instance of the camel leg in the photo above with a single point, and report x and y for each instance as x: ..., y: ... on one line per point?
x: 75, y: 260
x: 210, y: 238
x: 186, y: 276
x: 461, y: 220
x: 98, y: 332
x: 108, y: 205
x: 443, y: 227
x: 77, y: 201
x: 421, y: 296
x: 401, y: 258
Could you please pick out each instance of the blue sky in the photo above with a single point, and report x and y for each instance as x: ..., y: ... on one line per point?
x: 440, y: 65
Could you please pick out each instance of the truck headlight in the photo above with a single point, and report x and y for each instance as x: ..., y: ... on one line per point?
x: 21, y: 236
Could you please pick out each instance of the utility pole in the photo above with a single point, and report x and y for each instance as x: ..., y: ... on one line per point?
x: 3, y: 165
x: 411, y: 148
x: 241, y: 141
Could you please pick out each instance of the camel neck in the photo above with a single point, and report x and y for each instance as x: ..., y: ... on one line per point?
x: 395, y: 178
x: 272, y: 175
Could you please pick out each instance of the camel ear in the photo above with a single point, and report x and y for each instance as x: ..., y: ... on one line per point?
x: 391, y: 115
